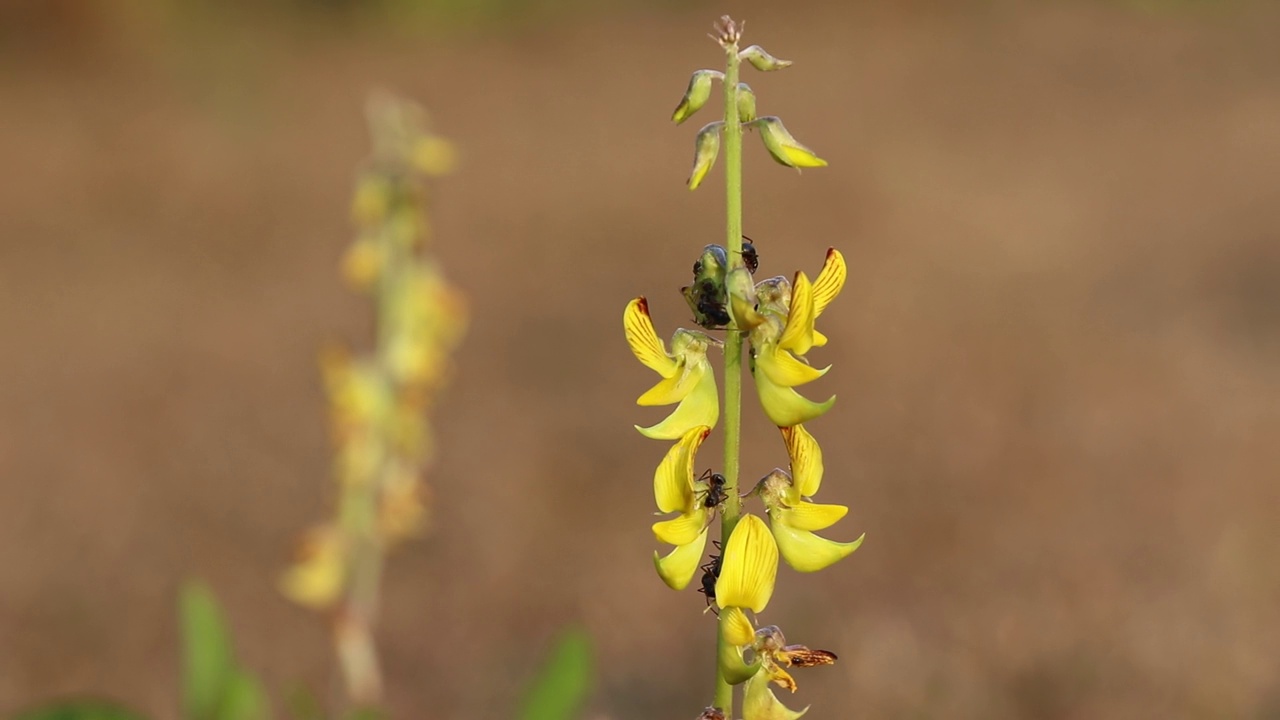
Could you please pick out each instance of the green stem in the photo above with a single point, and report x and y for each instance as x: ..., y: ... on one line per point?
x: 733, y: 339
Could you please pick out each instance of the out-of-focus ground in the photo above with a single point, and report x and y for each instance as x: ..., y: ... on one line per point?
x: 1057, y: 357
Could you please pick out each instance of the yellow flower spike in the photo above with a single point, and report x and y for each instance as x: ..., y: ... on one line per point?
x: 803, y: 550
x: 806, y: 460
x: 783, y: 147
x: 797, y: 334
x: 784, y: 406
x: 737, y: 628
x: 697, y: 94
x: 706, y: 146
x: 681, y: 530
x: 749, y: 566
x: 759, y: 702
x: 673, y: 481
x: 679, y: 566
x: 644, y: 341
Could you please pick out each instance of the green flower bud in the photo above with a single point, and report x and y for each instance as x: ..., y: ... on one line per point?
x: 761, y: 60
x: 746, y: 103
x: 706, y: 147
x: 784, y: 148
x: 696, y: 95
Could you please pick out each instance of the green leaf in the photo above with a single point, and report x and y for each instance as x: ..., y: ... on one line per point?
x: 207, y: 660
x: 79, y: 710
x: 243, y: 698
x: 561, y: 688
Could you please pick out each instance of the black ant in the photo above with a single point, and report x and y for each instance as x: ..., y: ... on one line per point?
x: 750, y: 257
x: 710, y: 572
x: 716, y: 494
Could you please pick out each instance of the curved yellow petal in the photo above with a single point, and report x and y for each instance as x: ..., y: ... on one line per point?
x: 700, y: 407
x: 673, y: 389
x: 643, y: 339
x: 679, y: 566
x: 673, y: 480
x: 812, y: 517
x: 732, y: 665
x: 749, y: 566
x: 784, y: 406
x: 797, y: 335
x: 819, y: 340
x: 785, y: 369
x: 684, y: 529
x: 805, y: 551
x: 737, y: 628
x: 806, y: 460
x: 828, y: 283
x: 759, y: 702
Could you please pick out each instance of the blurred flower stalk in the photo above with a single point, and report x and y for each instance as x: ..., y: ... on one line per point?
x: 379, y: 400
x: 777, y: 318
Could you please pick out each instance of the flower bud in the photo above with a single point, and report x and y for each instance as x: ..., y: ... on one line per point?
x: 706, y: 147
x: 746, y: 103
x: 696, y: 95
x: 783, y: 147
x: 742, y: 299
x: 761, y: 60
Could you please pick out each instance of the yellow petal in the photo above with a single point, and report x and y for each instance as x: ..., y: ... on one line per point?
x: 784, y: 406
x: 819, y: 340
x: 749, y: 566
x: 700, y: 407
x: 812, y: 517
x: 759, y: 702
x: 806, y: 459
x: 681, y: 530
x: 805, y: 551
x: 673, y: 480
x: 797, y: 336
x: 781, y: 367
x: 679, y: 566
x: 673, y: 389
x: 644, y: 341
x: 829, y: 282
x: 737, y: 628
x: 733, y: 668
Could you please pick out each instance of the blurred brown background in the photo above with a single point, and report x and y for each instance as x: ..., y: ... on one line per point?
x: 1058, y: 355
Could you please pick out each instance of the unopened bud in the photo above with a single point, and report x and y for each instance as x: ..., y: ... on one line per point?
x: 746, y: 103
x: 706, y: 147
x: 762, y: 60
x: 696, y: 95
x: 783, y: 147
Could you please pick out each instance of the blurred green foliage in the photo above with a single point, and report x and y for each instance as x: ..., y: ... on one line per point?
x: 561, y: 687
x: 79, y: 710
x: 214, y: 685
